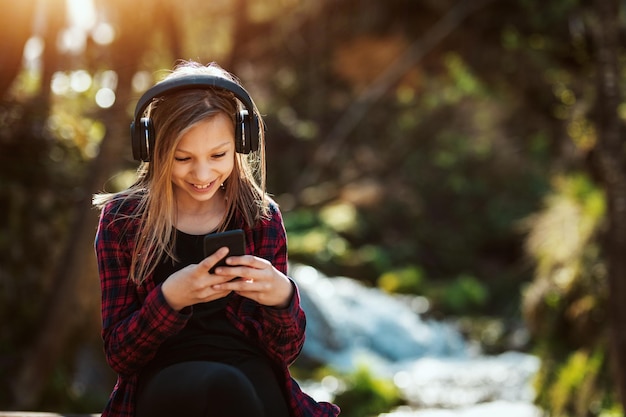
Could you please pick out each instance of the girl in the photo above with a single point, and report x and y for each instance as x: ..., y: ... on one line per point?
x: 182, y: 340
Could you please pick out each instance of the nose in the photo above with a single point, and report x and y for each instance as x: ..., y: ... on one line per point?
x: 202, y: 170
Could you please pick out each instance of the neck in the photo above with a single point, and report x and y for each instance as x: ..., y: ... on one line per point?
x: 203, y: 217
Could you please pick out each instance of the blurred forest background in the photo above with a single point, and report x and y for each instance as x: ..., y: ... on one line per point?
x: 468, y: 151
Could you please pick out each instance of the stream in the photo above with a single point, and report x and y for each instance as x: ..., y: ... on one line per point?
x: 439, y: 373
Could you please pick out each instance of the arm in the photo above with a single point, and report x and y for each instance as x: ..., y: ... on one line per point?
x: 284, y: 332
x: 135, y: 319
x: 279, y: 330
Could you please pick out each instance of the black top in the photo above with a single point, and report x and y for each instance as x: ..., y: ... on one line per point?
x: 208, y: 334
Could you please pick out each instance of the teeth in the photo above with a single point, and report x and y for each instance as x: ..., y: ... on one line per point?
x: 202, y: 187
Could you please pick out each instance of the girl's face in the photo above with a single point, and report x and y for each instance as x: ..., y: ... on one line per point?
x: 203, y: 160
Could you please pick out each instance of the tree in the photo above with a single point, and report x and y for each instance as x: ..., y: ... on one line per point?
x: 609, y: 157
x: 74, y: 286
x: 15, y: 24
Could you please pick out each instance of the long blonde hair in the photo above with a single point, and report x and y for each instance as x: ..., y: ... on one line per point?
x: 172, y: 115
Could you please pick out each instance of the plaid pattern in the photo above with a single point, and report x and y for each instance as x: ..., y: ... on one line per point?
x: 136, y: 319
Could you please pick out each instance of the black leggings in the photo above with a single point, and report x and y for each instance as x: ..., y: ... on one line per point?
x: 212, y: 389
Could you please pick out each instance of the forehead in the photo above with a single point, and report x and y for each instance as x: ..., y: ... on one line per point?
x: 214, y: 130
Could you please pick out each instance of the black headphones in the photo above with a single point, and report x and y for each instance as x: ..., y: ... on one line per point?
x: 246, y: 124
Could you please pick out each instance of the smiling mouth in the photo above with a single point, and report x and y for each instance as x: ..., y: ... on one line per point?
x: 202, y: 187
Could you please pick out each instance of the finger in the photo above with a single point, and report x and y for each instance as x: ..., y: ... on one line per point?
x: 245, y: 272
x: 210, y: 261
x: 248, y: 260
x: 241, y: 285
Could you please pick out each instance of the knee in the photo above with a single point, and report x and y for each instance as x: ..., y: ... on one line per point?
x: 228, y: 380
x: 201, y: 389
x: 229, y: 392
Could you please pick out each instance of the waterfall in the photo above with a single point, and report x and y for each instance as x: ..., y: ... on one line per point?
x: 434, y: 367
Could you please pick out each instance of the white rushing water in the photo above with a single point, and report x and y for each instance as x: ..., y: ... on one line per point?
x: 437, y: 371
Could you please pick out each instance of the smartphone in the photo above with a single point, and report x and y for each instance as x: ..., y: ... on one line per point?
x: 234, y: 240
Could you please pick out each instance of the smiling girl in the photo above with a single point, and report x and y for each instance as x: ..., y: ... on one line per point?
x: 184, y: 341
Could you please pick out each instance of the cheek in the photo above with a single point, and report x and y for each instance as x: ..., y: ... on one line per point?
x: 229, y: 166
x: 177, y: 172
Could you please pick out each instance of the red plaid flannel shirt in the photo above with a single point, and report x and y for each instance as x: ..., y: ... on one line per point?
x: 136, y: 319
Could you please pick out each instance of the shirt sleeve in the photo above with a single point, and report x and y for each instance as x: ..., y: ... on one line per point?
x: 135, y: 319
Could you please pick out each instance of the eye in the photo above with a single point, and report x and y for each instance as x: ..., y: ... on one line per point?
x: 181, y: 159
x: 219, y: 155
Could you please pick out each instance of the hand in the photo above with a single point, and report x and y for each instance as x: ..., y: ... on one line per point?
x: 255, y: 278
x: 194, y: 284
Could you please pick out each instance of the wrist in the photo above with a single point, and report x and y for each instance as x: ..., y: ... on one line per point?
x: 169, y: 299
x: 287, y: 301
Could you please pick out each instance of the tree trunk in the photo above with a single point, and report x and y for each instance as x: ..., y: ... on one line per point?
x: 76, y: 291
x: 76, y: 282
x: 610, y: 160
x: 16, y: 22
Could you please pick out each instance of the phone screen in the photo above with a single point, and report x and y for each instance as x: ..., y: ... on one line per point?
x: 234, y: 240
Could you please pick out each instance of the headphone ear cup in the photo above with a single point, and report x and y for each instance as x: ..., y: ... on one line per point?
x: 246, y: 132
x: 253, y: 127
x: 240, y: 132
x: 142, y: 139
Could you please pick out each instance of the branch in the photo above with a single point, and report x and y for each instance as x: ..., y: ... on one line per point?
x: 360, y: 107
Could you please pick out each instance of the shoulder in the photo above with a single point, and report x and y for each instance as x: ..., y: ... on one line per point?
x: 121, y: 212
x: 269, y: 216
x: 270, y: 227
x: 126, y: 202
x: 274, y: 218
x: 268, y: 238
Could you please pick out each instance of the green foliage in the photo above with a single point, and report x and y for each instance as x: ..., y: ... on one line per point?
x: 576, y: 386
x: 573, y: 382
x: 464, y: 294
x: 492, y: 333
x: 464, y: 82
x: 325, y: 238
x: 367, y: 395
x: 407, y: 280
x: 340, y: 217
x: 565, y: 305
x: 562, y: 241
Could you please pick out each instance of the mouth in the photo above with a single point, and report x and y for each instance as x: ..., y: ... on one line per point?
x: 202, y: 186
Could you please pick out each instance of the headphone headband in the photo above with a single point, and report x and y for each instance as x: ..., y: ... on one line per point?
x: 190, y: 82
x: 247, y: 123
